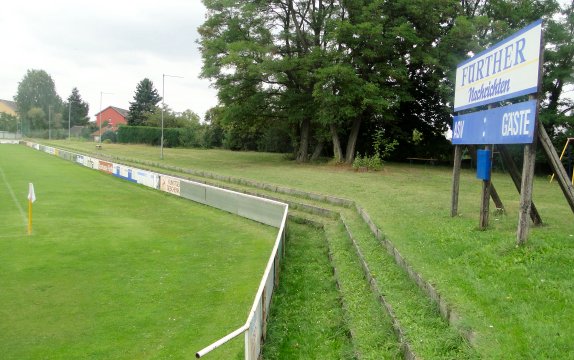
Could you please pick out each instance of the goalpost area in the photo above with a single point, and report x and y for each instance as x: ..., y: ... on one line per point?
x: 117, y: 270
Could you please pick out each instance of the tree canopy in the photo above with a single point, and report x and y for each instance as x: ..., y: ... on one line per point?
x: 172, y: 119
x: 332, y: 72
x: 36, y: 99
x: 145, y: 103
x: 77, y: 108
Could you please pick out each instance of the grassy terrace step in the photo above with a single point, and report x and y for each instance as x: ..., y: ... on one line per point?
x: 427, y: 334
x: 306, y: 319
x: 370, y: 325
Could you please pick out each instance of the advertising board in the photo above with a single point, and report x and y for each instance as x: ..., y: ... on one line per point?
x: 170, y: 185
x: 506, y: 70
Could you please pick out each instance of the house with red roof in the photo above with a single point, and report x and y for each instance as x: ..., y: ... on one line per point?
x: 110, y: 118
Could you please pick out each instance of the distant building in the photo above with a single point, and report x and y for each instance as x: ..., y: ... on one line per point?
x: 8, y: 107
x: 111, y: 117
x: 96, y: 134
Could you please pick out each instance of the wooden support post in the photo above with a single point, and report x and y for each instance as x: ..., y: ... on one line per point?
x: 485, y: 201
x: 557, y: 166
x: 526, y: 193
x: 526, y: 185
x: 493, y: 193
x: 527, y: 182
x: 517, y: 180
x: 455, y: 180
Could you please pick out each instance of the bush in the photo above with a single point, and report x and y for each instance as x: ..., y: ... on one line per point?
x: 109, y: 135
x: 359, y: 162
x: 191, y: 137
x: 139, y: 135
x: 374, y: 162
x: 172, y: 137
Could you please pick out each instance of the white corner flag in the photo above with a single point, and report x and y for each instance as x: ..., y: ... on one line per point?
x: 31, y: 199
x: 31, y: 195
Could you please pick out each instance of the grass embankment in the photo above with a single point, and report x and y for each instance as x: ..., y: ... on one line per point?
x: 117, y: 270
x: 516, y: 299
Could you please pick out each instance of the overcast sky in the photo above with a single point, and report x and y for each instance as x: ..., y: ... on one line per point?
x: 106, y: 46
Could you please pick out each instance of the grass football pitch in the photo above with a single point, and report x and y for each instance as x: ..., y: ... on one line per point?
x: 117, y: 270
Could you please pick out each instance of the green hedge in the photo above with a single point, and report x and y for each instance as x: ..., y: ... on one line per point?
x: 149, y: 135
x: 194, y: 136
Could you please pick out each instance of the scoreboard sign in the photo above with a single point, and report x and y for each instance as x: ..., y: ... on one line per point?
x: 508, y: 69
x: 512, y: 124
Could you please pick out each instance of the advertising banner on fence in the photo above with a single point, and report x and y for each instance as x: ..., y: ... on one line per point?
x: 512, y: 124
x: 124, y: 172
x: 170, y: 185
x: 106, y: 166
x: 506, y: 70
x: 146, y: 178
x: 91, y: 162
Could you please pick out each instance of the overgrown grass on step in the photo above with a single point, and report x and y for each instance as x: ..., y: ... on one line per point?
x: 428, y: 334
x: 306, y: 319
x: 371, y: 327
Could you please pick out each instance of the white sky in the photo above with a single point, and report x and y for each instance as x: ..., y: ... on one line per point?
x: 107, y: 46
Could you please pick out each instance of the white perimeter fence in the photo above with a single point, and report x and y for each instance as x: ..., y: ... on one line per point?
x: 265, y: 211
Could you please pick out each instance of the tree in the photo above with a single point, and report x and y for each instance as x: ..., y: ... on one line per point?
x: 37, y: 118
x: 558, y: 111
x: 172, y: 119
x: 8, y: 122
x: 145, y: 103
x: 77, y: 109
x: 37, y: 91
x: 335, y: 71
x: 328, y: 67
x: 214, y: 132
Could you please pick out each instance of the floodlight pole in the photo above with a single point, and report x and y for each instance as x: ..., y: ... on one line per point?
x: 50, y: 122
x: 100, y: 114
x: 163, y: 107
x: 69, y: 117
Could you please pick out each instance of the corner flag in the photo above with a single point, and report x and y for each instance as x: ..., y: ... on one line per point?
x: 31, y: 195
x: 31, y: 199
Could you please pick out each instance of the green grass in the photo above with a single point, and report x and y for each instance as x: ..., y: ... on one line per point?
x: 117, y: 270
x: 518, y: 300
x: 306, y: 320
x: 370, y: 325
x: 428, y: 334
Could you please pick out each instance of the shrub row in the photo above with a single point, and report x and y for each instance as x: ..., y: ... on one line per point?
x: 172, y: 137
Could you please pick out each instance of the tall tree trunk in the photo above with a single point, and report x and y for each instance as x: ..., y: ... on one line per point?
x: 351, y: 144
x: 318, y: 150
x: 337, y: 149
x: 303, y: 154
